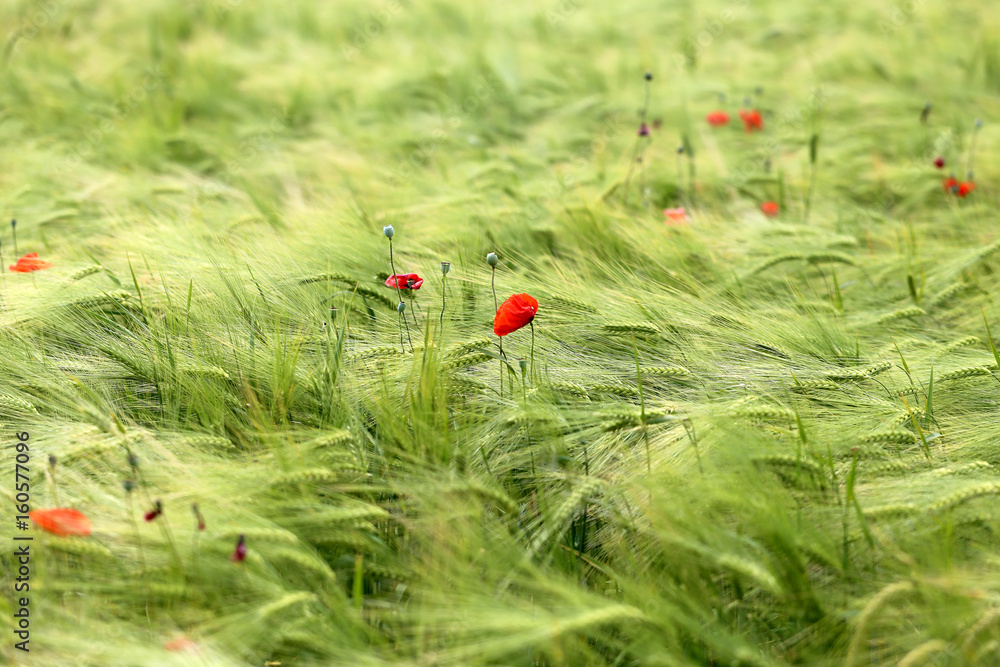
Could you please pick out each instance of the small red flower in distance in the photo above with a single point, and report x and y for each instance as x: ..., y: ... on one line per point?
x: 939, y: 162
x: 29, y: 262
x: 752, y: 120
x: 514, y: 313
x: 717, y: 118
x: 675, y: 215
x: 240, y: 553
x: 769, y: 208
x: 644, y: 130
x: 61, y: 521
x: 951, y: 184
x: 965, y: 187
x: 405, y: 281
x: 182, y: 643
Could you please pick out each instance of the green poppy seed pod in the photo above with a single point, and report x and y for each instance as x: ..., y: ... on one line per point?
x: 445, y: 267
x: 401, y: 307
x: 492, y: 259
x: 523, y: 363
x: 388, y: 231
x: 649, y: 76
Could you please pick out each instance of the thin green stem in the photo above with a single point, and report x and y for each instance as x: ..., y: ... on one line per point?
x: 395, y: 281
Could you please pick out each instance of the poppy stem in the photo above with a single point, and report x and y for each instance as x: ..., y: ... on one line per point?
x: 395, y: 280
x: 636, y: 152
x: 444, y: 289
x: 13, y: 231
x: 532, y: 325
x: 496, y: 307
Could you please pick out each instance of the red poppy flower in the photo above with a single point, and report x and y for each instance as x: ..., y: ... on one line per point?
x: 675, y: 215
x: 240, y: 553
x: 514, y: 313
x: 717, y: 118
x: 182, y: 643
x: 405, y: 281
x: 965, y: 187
x: 752, y: 120
x: 769, y: 208
x: 61, y: 521
x: 644, y: 130
x: 951, y: 184
x: 939, y: 162
x: 30, y: 262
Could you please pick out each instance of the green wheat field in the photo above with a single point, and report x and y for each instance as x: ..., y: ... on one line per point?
x: 727, y: 438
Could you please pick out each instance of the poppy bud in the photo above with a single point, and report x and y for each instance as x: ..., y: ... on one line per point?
x: 133, y: 461
x: 680, y: 150
x: 492, y: 259
x: 644, y: 130
x: 939, y: 162
x: 333, y: 313
x: 925, y: 112
x: 240, y: 552
x: 445, y: 267
x: 128, y: 485
x: 400, y: 307
x: 649, y: 76
x: 523, y: 363
x: 52, y: 460
x: 388, y: 231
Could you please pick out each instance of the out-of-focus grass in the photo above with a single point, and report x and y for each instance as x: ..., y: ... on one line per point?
x: 210, y: 179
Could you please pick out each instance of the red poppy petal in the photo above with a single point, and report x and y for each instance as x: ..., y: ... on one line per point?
x: 514, y: 313
x: 61, y: 521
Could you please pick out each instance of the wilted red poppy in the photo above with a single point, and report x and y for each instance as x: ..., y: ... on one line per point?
x: 939, y: 162
x: 405, y: 281
x: 752, y: 120
x: 29, y: 262
x: 61, y: 521
x: 717, y: 118
x: 514, y: 313
x: 240, y: 553
x: 965, y: 187
x: 951, y: 184
x: 155, y: 512
x: 769, y: 208
x: 675, y: 215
